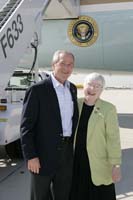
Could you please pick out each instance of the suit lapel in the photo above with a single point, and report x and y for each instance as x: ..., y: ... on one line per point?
x: 93, y: 118
x: 75, y: 107
x: 53, y: 100
x: 73, y: 93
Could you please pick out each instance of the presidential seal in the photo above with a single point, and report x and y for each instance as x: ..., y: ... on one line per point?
x: 83, y: 31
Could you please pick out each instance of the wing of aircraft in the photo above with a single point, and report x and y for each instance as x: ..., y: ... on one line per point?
x: 100, y: 35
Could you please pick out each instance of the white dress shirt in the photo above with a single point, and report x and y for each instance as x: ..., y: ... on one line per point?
x: 65, y: 105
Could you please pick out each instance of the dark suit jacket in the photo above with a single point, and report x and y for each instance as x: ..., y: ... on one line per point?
x: 41, y: 126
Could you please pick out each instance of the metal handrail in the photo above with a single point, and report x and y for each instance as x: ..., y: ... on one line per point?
x: 8, y: 10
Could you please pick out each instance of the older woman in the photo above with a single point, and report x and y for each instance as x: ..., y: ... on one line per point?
x: 97, y: 145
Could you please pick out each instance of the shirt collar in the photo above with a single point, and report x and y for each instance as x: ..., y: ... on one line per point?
x: 56, y: 83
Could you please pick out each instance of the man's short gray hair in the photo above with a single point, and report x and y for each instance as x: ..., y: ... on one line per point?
x: 57, y: 55
x: 94, y: 77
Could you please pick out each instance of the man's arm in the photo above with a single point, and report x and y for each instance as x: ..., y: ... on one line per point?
x: 28, y: 121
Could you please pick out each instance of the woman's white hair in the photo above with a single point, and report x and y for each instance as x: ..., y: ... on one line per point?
x: 94, y: 77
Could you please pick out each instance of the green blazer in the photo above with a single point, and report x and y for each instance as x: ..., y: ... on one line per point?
x: 103, y: 141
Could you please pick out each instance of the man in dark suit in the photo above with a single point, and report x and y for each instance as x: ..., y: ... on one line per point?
x: 48, y: 124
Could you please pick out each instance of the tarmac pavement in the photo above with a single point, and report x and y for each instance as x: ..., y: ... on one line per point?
x: 14, y: 178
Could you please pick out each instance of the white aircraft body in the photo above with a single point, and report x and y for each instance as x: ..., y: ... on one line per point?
x: 101, y: 37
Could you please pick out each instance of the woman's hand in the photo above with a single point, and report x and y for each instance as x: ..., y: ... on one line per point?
x: 116, y: 173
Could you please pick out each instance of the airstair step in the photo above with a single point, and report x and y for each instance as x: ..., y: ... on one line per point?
x: 7, y: 11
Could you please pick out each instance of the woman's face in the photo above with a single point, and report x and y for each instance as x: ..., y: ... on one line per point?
x: 92, y: 91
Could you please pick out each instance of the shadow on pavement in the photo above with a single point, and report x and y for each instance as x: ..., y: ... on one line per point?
x: 125, y: 120
x: 125, y: 186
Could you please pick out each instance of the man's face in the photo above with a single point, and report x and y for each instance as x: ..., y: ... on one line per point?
x: 63, y: 68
